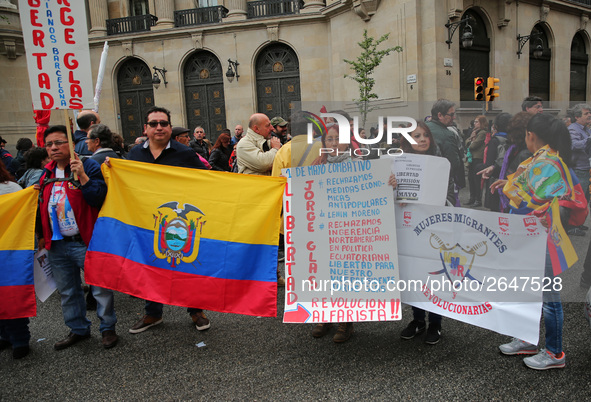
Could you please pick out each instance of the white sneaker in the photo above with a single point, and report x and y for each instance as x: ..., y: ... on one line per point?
x: 518, y: 347
x: 545, y: 360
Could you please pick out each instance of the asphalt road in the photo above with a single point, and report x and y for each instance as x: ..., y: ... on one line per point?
x: 249, y: 358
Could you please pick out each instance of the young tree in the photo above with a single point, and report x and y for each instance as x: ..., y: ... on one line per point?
x: 364, y: 66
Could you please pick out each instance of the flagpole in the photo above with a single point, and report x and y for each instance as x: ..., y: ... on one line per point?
x: 100, y: 76
x: 70, y: 141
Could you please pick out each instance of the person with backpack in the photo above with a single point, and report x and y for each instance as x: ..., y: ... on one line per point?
x: 494, y: 154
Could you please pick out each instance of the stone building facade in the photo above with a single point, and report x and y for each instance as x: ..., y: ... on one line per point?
x: 293, y: 50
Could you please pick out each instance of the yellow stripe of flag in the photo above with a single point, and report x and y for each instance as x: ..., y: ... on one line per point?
x: 17, y: 214
x: 230, y: 202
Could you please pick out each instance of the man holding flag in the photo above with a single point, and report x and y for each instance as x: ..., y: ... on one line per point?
x: 68, y: 211
x: 160, y: 149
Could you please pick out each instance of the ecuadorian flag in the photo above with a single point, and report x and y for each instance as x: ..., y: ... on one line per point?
x: 17, y: 244
x: 561, y: 250
x: 188, y: 237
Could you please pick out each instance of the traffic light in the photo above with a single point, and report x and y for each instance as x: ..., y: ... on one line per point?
x: 491, y: 87
x: 478, y: 88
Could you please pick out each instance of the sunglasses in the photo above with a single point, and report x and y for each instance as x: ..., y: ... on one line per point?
x: 56, y: 143
x: 154, y: 124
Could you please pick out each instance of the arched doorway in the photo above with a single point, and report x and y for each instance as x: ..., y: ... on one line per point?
x: 539, y: 68
x: 204, y: 94
x: 136, y: 96
x: 578, y: 69
x: 474, y: 61
x: 278, y: 80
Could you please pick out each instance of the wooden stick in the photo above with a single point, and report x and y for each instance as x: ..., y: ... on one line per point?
x: 70, y: 140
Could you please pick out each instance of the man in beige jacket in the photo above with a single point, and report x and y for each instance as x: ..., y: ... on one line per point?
x: 254, y: 153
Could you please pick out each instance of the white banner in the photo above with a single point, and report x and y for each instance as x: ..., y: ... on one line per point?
x: 482, y: 268
x: 421, y: 178
x: 340, y: 243
x: 58, y: 58
x: 43, y: 276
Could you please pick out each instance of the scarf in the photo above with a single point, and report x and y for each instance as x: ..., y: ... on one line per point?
x: 540, y: 179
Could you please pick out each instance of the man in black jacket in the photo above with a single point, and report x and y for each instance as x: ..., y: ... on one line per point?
x: 199, y: 144
x: 161, y: 150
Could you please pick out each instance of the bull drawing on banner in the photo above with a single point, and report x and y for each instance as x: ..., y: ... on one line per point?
x: 457, y: 261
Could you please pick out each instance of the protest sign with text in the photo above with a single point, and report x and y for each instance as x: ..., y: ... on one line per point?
x: 340, y: 243
x: 58, y: 58
x: 421, y: 178
x: 482, y: 268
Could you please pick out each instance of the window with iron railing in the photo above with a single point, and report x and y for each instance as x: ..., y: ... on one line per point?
x: 270, y: 8
x: 136, y: 23
x: 199, y: 16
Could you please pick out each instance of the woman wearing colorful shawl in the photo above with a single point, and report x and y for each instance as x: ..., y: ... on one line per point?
x: 531, y: 189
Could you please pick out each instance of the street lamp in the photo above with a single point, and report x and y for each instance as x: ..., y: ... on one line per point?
x: 467, y: 37
x: 156, y: 80
x: 232, y: 70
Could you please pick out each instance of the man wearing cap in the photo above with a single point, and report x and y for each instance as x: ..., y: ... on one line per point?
x: 279, y: 128
x: 181, y: 135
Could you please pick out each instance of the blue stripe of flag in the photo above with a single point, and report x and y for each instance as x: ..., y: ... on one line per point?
x: 16, y: 267
x: 216, y: 258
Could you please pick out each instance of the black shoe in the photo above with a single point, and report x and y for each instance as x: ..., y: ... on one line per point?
x: 433, y: 334
x: 110, y: 339
x: 90, y: 302
x: 70, y: 340
x: 413, y: 329
x: 477, y: 204
x: 575, y: 232
x: 470, y: 202
x: 19, y: 353
x: 583, y: 227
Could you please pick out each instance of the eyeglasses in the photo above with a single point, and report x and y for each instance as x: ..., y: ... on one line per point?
x: 154, y: 124
x: 450, y: 114
x: 56, y: 143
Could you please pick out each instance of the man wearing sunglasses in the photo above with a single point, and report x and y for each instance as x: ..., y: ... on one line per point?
x: 161, y: 150
x: 68, y: 211
x: 443, y: 115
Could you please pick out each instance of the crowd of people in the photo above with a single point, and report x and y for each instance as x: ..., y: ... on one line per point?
x: 498, y: 156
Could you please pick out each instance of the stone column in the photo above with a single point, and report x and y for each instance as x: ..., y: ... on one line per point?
x: 236, y: 10
x: 312, y: 5
x: 99, y: 13
x: 165, y: 14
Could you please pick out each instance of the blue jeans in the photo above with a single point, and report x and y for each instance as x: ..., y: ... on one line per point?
x: 67, y: 259
x: 154, y: 309
x: 419, y: 315
x: 553, y: 316
x: 15, y: 331
x: 583, y: 176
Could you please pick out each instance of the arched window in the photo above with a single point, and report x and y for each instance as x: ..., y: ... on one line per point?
x: 474, y: 61
x: 539, y: 68
x: 278, y: 80
x: 204, y: 94
x: 578, y: 69
x: 136, y: 96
